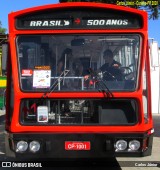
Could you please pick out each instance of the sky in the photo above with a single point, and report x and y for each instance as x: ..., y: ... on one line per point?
x: 7, y: 6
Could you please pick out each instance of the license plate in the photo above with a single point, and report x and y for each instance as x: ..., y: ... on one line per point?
x: 77, y: 145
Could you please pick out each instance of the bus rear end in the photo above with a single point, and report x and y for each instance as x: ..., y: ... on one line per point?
x: 53, y: 110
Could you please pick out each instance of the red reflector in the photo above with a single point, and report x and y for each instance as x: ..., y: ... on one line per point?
x: 145, y: 141
x: 77, y: 145
x: 150, y: 132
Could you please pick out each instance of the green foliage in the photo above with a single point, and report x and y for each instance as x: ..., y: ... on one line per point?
x: 151, y: 6
x: 2, y: 30
x: 154, y: 13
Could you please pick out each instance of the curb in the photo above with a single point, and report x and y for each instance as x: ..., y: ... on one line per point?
x: 2, y: 112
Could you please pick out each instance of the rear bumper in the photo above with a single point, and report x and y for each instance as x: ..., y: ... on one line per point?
x: 53, y: 145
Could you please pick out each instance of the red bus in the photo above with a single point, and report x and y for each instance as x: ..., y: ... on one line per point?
x: 64, y: 99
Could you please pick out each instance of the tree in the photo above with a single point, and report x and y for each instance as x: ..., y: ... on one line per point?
x: 154, y: 13
x: 151, y: 6
x: 2, y: 30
